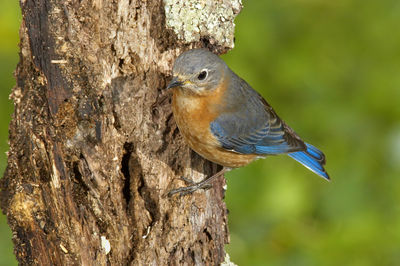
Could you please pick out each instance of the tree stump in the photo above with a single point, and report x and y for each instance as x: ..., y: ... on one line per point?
x: 94, y: 148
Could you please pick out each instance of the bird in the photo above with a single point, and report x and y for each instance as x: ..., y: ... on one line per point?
x: 226, y: 121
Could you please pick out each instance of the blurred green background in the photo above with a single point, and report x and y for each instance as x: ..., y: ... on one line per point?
x: 10, y: 18
x: 331, y: 70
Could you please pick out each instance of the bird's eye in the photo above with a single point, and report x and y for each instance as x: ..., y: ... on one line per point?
x: 202, y: 75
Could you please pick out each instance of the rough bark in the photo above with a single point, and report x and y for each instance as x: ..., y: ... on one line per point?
x: 94, y: 148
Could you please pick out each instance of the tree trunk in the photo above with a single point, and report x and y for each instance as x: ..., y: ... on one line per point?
x: 94, y: 148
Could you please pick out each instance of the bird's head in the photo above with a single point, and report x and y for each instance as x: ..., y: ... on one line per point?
x: 197, y: 71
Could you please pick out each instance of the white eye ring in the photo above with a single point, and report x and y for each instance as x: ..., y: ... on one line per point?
x: 203, y: 74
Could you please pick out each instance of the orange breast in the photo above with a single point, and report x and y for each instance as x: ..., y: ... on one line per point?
x: 193, y: 114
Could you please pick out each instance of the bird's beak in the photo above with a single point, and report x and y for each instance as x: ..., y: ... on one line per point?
x: 175, y: 82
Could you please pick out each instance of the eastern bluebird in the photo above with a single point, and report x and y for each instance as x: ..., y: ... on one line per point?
x: 226, y: 121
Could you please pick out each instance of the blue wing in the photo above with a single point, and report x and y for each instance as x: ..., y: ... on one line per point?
x: 249, y: 125
x: 270, y: 138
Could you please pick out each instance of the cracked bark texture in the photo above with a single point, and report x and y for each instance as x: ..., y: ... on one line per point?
x: 94, y: 148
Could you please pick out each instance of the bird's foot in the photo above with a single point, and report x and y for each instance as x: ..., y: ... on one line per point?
x: 192, y: 187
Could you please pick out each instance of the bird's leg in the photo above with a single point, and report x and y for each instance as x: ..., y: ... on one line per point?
x: 204, y: 184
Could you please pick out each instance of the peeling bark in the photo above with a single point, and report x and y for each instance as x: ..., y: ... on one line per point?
x: 94, y: 148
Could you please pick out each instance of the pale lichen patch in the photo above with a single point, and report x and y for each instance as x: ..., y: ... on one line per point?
x: 26, y: 207
x: 194, y: 19
x: 105, y: 244
x: 228, y: 261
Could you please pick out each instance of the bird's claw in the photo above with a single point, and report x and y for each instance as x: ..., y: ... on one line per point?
x: 189, y: 189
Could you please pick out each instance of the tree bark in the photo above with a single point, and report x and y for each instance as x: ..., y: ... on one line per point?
x: 94, y: 148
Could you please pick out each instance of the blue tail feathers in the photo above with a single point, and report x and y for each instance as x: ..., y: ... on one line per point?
x: 313, y: 159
